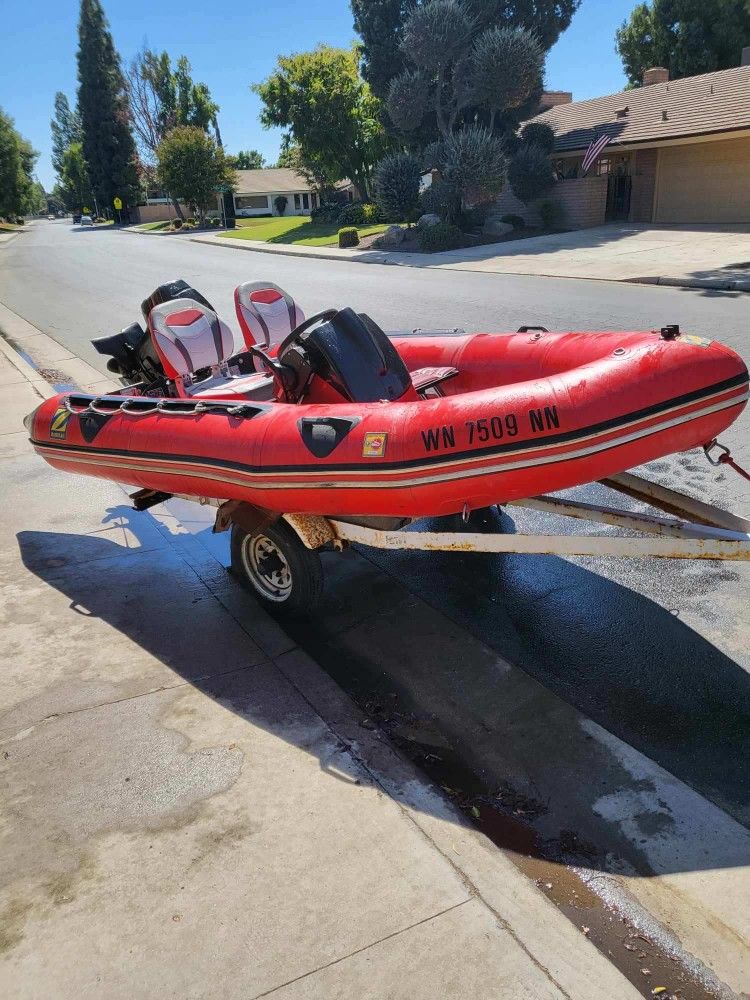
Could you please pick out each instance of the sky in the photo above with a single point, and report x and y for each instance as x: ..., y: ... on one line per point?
x: 235, y: 45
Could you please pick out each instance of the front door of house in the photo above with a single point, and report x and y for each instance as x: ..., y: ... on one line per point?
x: 619, y: 187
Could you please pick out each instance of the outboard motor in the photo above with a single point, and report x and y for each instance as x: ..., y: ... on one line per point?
x: 177, y: 289
x: 131, y: 352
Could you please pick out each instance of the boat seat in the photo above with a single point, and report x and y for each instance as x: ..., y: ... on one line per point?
x: 266, y: 314
x: 424, y: 379
x: 188, y: 336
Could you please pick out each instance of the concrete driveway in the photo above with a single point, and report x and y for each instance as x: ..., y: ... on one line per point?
x: 623, y: 252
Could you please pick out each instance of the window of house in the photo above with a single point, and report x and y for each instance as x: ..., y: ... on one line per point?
x: 306, y: 202
x: 251, y: 201
x: 297, y: 202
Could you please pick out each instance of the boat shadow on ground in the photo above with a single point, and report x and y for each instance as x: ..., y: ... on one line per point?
x: 447, y: 707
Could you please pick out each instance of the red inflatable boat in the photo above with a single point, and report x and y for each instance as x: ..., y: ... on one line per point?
x: 343, y: 420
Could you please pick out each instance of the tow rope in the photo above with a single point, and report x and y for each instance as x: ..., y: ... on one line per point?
x: 725, y: 458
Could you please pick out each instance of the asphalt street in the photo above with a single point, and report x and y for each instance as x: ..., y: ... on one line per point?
x: 658, y: 652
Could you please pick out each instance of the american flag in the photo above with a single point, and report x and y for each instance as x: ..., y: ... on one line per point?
x: 594, y: 151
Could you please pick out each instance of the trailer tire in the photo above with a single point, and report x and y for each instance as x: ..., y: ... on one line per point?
x: 278, y: 570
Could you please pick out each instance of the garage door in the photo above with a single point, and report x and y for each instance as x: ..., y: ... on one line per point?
x: 705, y: 182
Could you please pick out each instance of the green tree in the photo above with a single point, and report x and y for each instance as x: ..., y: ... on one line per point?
x: 456, y: 70
x: 192, y: 167
x: 74, y: 185
x: 66, y: 129
x: 247, y: 159
x: 161, y: 97
x: 331, y: 114
x: 17, y: 159
x: 685, y: 36
x: 108, y: 145
x: 380, y: 25
x: 289, y: 154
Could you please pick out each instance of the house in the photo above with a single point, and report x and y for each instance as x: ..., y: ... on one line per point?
x: 257, y: 191
x: 678, y: 151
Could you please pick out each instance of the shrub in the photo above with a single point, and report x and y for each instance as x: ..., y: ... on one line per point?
x: 280, y: 202
x: 551, y: 214
x: 397, y: 185
x: 538, y: 134
x: 191, y: 221
x: 473, y: 165
x: 348, y: 237
x: 19, y: 221
x: 441, y: 199
x: 517, y: 221
x: 372, y: 213
x: 443, y: 236
x: 99, y: 219
x: 176, y: 223
x: 352, y: 214
x: 326, y: 213
x: 530, y: 173
x: 476, y: 216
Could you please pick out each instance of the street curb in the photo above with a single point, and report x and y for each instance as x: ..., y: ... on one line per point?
x: 30, y: 373
x: 719, y: 284
x: 289, y: 251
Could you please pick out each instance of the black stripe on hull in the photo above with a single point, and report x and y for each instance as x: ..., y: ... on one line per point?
x: 427, y: 460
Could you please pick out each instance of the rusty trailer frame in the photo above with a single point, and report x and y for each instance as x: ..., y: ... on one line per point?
x: 694, y: 529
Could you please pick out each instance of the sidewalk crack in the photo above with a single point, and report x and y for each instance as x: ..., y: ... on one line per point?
x: 358, y: 951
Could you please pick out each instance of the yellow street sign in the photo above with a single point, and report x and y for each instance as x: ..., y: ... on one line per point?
x: 118, y: 203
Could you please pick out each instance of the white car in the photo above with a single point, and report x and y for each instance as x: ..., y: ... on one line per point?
x: 86, y: 220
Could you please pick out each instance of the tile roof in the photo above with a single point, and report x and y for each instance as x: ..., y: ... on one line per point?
x: 270, y: 181
x: 694, y: 105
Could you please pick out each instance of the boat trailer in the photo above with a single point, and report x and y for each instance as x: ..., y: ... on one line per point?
x: 277, y: 556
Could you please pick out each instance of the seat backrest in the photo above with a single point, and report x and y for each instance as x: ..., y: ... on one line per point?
x: 266, y: 313
x: 187, y: 336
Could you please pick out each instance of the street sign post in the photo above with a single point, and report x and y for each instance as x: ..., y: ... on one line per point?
x: 117, y: 202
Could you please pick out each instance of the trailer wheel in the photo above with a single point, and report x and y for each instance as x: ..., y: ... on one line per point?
x: 275, y: 566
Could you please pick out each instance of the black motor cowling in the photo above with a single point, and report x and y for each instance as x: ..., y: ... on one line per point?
x: 177, y: 289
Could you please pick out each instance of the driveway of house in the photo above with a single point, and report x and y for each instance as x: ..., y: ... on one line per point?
x: 621, y: 252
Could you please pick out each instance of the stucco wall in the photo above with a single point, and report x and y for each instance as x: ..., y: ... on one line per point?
x: 704, y: 182
x: 643, y: 185
x: 157, y: 213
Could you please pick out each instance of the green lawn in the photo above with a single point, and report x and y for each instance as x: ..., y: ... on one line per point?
x: 153, y: 226
x: 297, y: 229
x: 9, y: 227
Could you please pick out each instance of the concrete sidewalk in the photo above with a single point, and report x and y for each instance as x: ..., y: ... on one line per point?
x: 193, y: 809
x: 686, y: 256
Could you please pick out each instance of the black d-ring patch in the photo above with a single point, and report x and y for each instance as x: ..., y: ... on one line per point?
x: 91, y: 424
x: 322, y: 435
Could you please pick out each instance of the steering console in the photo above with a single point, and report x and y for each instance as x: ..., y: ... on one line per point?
x: 285, y: 376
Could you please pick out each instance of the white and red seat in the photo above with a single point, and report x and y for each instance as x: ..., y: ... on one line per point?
x: 266, y: 314
x: 188, y: 337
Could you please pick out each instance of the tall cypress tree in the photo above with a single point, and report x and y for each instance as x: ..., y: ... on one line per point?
x: 103, y: 106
